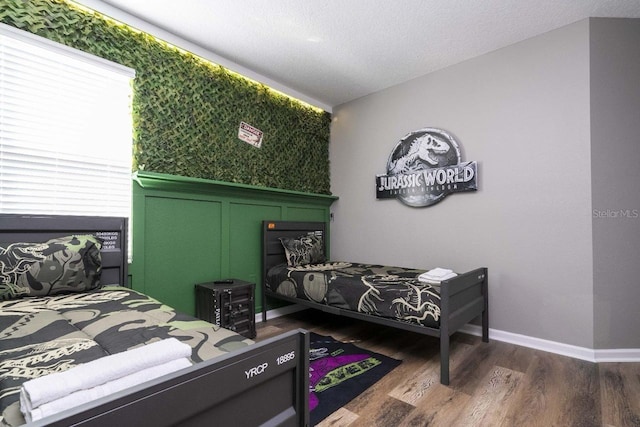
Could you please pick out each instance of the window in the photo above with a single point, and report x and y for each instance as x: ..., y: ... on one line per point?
x: 65, y: 129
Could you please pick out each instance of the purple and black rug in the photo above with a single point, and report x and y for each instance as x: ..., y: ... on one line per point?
x: 339, y: 372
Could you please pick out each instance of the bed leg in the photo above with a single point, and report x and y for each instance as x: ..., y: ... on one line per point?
x: 444, y: 358
x: 264, y: 304
x: 485, y: 313
x: 485, y: 326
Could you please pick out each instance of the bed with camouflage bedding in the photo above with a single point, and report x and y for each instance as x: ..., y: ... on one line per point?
x: 297, y: 269
x: 56, y: 312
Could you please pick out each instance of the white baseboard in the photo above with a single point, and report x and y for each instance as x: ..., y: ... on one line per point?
x: 618, y: 355
x: 582, y: 353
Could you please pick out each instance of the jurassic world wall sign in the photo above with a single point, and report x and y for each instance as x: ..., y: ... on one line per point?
x: 424, y: 168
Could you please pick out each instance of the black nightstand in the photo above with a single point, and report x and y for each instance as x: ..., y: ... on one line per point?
x: 229, y: 303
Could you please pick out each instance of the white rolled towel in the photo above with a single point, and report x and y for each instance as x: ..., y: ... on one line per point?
x: 83, y: 396
x: 50, y: 387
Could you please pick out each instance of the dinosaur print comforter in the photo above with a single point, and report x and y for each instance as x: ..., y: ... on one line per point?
x: 42, y: 335
x: 392, y: 292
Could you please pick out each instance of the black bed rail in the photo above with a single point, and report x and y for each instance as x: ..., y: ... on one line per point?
x: 265, y: 384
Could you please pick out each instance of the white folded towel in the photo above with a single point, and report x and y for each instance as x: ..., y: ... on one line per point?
x: 436, y: 281
x: 50, y: 387
x: 83, y: 396
x: 436, y: 275
x: 439, y: 272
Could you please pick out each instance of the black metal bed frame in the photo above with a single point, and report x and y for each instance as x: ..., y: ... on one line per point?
x: 214, y: 392
x: 462, y: 298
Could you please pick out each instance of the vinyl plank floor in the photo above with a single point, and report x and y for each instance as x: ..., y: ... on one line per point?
x: 620, y: 388
x: 492, y: 384
x: 341, y: 418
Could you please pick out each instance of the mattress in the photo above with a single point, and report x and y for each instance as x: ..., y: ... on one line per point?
x: 390, y: 292
x: 43, y: 335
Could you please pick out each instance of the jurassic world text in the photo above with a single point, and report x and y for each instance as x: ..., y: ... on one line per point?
x: 448, y: 179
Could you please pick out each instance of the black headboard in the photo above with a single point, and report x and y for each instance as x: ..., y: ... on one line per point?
x: 273, y: 251
x: 40, y: 228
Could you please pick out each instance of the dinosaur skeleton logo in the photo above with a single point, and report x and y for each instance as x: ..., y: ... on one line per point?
x: 425, y: 167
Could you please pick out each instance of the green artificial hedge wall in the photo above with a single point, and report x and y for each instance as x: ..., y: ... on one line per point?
x: 186, y: 111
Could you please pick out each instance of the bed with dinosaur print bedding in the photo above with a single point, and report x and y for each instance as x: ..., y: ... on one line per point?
x: 297, y: 269
x: 63, y: 310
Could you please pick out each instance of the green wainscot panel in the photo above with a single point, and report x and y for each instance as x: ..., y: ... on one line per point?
x: 181, y: 248
x: 191, y: 230
x: 245, y: 241
x: 306, y: 214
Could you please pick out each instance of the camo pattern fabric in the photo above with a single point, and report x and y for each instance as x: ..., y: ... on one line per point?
x: 392, y: 292
x: 61, y: 265
x: 306, y: 249
x: 43, y: 335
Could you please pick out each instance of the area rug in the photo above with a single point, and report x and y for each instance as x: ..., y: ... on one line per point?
x: 339, y: 372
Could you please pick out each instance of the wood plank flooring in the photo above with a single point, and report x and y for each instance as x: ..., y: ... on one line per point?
x: 494, y: 384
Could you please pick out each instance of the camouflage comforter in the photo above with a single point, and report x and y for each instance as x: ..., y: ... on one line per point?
x: 391, y: 292
x: 42, y: 335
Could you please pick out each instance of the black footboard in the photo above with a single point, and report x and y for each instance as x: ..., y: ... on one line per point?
x: 462, y: 299
x: 265, y: 384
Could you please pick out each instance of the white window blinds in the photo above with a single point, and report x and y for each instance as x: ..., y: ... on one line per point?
x: 65, y: 129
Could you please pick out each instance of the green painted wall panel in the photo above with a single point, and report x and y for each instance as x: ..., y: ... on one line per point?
x: 188, y: 230
x: 182, y: 247
x: 245, y: 229
x: 305, y: 214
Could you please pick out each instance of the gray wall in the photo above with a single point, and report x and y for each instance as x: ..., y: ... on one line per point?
x: 615, y: 164
x: 522, y: 113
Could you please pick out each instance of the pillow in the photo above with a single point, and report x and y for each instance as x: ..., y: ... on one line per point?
x: 303, y: 250
x: 65, y: 264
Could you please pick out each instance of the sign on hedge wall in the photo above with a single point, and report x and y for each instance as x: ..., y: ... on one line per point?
x: 424, y: 167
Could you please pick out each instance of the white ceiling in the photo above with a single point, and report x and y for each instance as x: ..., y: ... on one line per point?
x: 334, y: 51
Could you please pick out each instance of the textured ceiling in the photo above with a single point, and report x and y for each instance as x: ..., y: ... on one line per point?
x: 334, y: 51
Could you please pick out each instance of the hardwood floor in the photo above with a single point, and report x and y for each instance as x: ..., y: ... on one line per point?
x: 494, y: 384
